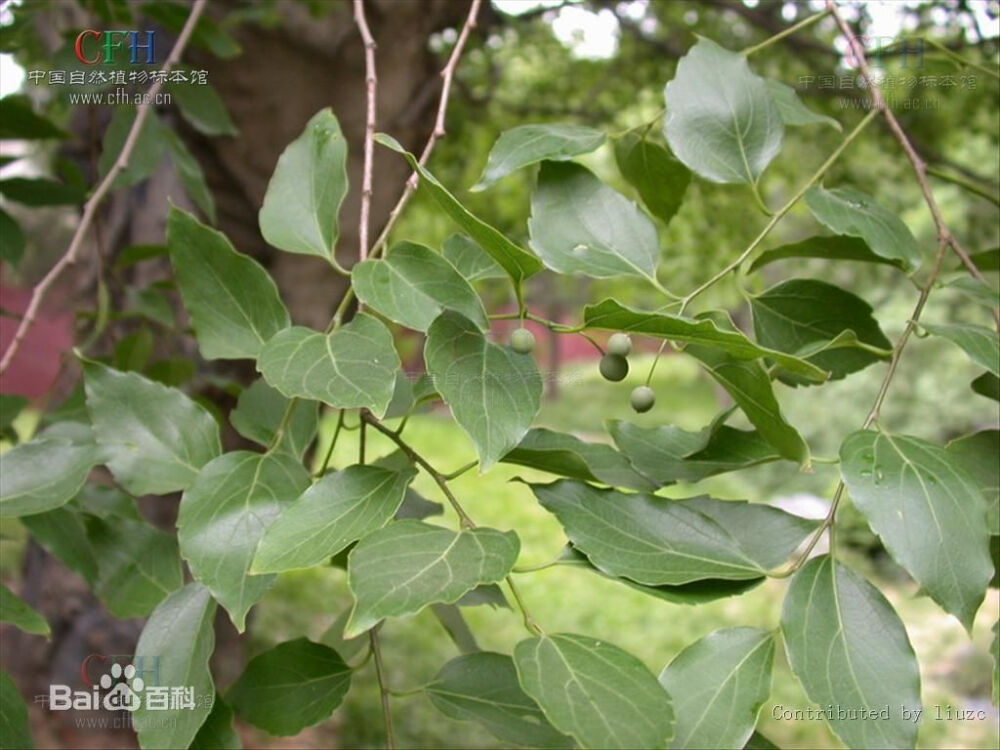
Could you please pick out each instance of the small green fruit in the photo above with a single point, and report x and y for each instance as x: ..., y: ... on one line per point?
x: 642, y: 399
x: 613, y: 367
x: 522, y: 341
x: 620, y: 344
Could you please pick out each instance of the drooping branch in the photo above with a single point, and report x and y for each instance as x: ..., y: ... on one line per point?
x: 103, y: 188
x: 447, y: 76
x: 945, y: 235
x: 371, y: 89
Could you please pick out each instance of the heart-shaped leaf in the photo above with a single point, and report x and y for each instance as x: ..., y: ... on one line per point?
x: 412, y: 285
x: 592, y: 690
x: 156, y: 439
x: 793, y: 112
x: 850, y: 651
x: 930, y: 514
x: 233, y: 302
x: 401, y: 568
x: 354, y: 366
x: 301, y: 207
x: 290, y: 687
x: 470, y: 259
x: 223, y: 516
x: 580, y: 225
x: 494, y: 392
x: 801, y: 313
x: 722, y: 121
x: 718, y: 685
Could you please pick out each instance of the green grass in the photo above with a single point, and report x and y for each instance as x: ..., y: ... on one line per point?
x: 955, y: 669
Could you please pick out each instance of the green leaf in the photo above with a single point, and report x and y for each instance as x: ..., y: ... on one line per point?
x: 929, y: 513
x: 470, y: 259
x: 849, y: 650
x: 40, y: 191
x: 494, y: 393
x: 653, y: 171
x: 203, y: 108
x: 290, y: 687
x: 62, y: 534
x: 604, y: 697
x: 173, y: 652
x: 580, y: 225
x: 191, y: 175
x: 413, y: 284
x: 655, y: 541
x: 976, y: 454
x: 987, y: 385
x: 352, y: 367
x: 749, y: 384
x: 10, y: 407
x: 15, y: 730
x: 980, y: 343
x: 223, y: 516
x: 138, y: 565
x: 301, y: 208
x: 568, y: 456
x: 838, y: 247
x: 232, y: 301
x: 791, y: 109
x: 695, y: 592
x: 722, y: 121
x: 259, y: 412
x: 12, y: 239
x: 155, y: 438
x: 20, y: 614
x: 133, y: 351
x: 217, y: 732
x: 611, y: 315
x: 483, y: 687
x: 529, y: 144
x: 849, y: 211
x: 718, y: 685
x: 668, y: 454
x: 336, y: 511
x: 981, y: 292
x: 758, y: 741
x: 401, y: 568
x: 149, y: 150
x: 800, y: 314
x: 42, y: 475
x: 517, y: 262
x: 19, y: 120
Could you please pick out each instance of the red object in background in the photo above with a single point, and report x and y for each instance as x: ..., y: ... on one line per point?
x: 36, y: 365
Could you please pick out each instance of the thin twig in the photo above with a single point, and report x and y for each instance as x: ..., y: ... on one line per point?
x: 92, y: 204
x: 447, y: 74
x: 439, y: 478
x: 371, y: 88
x: 390, y: 737
x: 808, y: 21
x: 780, y: 213
x: 919, y: 165
x: 333, y: 442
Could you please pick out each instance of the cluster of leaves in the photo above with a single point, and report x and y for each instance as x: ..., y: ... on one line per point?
x: 246, y: 516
